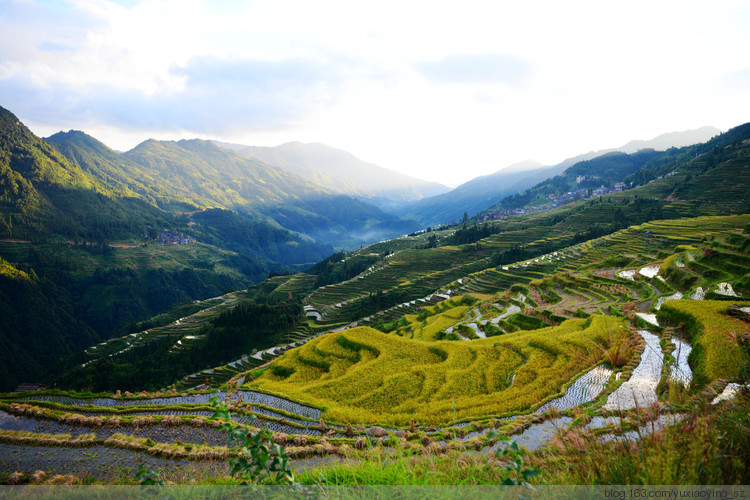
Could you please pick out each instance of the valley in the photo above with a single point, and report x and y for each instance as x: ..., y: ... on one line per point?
x: 540, y: 350
x: 606, y: 330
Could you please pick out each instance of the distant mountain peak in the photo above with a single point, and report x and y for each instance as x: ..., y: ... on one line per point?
x: 520, y: 166
x: 343, y: 172
x: 672, y: 140
x: 69, y: 133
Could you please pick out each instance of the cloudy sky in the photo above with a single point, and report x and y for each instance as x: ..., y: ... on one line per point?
x: 444, y: 91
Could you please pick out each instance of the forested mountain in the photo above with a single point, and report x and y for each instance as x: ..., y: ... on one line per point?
x: 475, y: 195
x: 62, y: 208
x: 42, y: 194
x: 345, y: 173
x: 604, y: 172
x: 209, y: 176
x: 255, y: 237
x: 110, y: 167
x: 81, y: 226
x: 283, y: 217
x: 63, y: 286
x: 213, y: 177
x: 393, y: 283
x: 486, y: 191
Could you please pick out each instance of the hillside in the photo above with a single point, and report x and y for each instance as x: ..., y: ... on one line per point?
x: 109, y: 167
x: 376, y: 285
x: 79, y: 253
x: 256, y: 237
x: 487, y: 191
x: 212, y: 177
x: 477, y: 194
x: 609, y: 345
x: 81, y: 227
x: 345, y: 173
x: 618, y: 322
x: 43, y: 195
x: 589, y: 177
x: 613, y: 171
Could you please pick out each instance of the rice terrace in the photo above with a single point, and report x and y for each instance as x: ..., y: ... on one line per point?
x: 577, y: 342
x: 207, y: 278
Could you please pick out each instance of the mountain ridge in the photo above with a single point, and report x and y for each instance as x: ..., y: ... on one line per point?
x: 488, y: 190
x: 194, y: 174
x: 344, y: 172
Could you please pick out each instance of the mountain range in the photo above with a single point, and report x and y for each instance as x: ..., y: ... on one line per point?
x: 485, y: 191
x: 193, y: 175
x: 377, y: 283
x: 79, y: 226
x: 343, y: 172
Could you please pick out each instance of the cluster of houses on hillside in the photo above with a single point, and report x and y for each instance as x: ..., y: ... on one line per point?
x: 502, y: 213
x: 167, y: 237
x: 584, y: 194
x: 174, y: 238
x: 554, y: 202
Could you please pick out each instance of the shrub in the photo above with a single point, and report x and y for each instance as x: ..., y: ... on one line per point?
x: 261, y: 460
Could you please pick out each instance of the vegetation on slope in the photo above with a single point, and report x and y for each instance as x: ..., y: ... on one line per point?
x: 358, y: 372
x: 552, y: 302
x: 717, y: 337
x: 362, y: 375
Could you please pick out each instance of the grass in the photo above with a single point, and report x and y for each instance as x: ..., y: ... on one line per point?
x: 716, y: 337
x: 363, y: 376
x: 380, y: 467
x: 397, y: 379
x: 709, y: 446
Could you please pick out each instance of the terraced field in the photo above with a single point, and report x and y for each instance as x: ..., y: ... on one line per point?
x: 183, y: 329
x: 524, y: 348
x: 362, y: 375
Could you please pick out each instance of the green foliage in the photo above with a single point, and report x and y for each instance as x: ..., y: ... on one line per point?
x: 154, y: 364
x: 281, y: 372
x: 336, y: 268
x: 519, y: 474
x: 148, y: 477
x: 101, y: 296
x: 472, y: 234
x: 468, y: 300
x: 258, y: 239
x: 260, y: 460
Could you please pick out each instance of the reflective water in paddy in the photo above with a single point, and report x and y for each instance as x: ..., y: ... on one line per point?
x: 640, y: 389
x: 195, y: 399
x: 586, y: 388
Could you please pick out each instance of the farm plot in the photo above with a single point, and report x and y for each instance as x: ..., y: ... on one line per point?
x: 362, y: 375
x: 566, y: 294
x: 201, y: 399
x: 297, y: 285
x: 716, y: 353
x: 414, y: 273
x: 181, y: 329
x: 100, y: 462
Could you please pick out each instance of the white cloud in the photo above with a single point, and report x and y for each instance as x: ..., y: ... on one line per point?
x: 476, y: 69
x: 436, y: 89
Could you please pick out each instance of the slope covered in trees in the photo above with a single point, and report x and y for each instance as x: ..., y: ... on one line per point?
x: 345, y: 173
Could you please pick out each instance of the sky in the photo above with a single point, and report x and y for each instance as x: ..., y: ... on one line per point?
x: 442, y: 91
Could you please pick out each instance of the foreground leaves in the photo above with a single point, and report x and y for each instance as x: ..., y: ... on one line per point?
x: 260, y: 461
